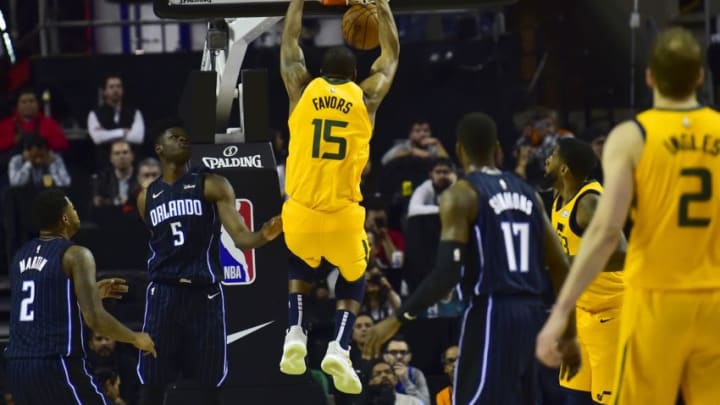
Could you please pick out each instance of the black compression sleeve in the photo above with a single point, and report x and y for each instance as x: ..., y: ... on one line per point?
x: 437, y: 284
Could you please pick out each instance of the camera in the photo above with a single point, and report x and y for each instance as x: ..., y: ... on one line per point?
x: 381, y: 222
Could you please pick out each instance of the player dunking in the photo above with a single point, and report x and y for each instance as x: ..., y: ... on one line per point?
x: 331, y: 123
x: 494, y: 226
x: 665, y: 165
x: 185, y: 308
x: 52, y: 284
x: 597, y: 310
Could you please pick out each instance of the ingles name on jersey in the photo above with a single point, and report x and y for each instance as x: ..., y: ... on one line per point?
x: 238, y: 266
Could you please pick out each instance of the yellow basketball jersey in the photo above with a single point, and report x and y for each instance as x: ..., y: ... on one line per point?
x: 330, y: 132
x: 606, y: 291
x: 676, y: 237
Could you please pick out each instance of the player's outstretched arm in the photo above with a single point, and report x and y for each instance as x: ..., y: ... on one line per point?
x: 585, y: 210
x: 557, y: 265
x: 292, y: 61
x: 458, y: 209
x: 219, y: 191
x: 382, y: 72
x: 79, y: 264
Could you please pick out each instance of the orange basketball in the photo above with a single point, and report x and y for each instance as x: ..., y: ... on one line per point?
x: 360, y: 26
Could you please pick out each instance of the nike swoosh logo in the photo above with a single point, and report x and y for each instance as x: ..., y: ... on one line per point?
x: 188, y: 186
x: 211, y: 296
x: 158, y: 194
x: 239, y: 335
x: 606, y: 320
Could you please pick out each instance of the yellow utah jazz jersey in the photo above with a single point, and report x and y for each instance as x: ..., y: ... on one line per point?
x: 606, y: 291
x: 675, y: 242
x: 330, y: 132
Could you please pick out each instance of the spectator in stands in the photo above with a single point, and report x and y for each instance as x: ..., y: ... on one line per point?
x: 109, y: 381
x: 113, y: 119
x: 537, y: 142
x: 116, y: 185
x: 363, y: 322
x: 411, y: 381
x: 424, y: 200
x: 28, y: 121
x: 36, y: 166
x: 380, y: 300
x: 449, y: 361
x: 406, y: 165
x: 147, y: 172
x: 106, y: 354
x: 420, y: 144
x: 389, y: 246
x: 381, y: 387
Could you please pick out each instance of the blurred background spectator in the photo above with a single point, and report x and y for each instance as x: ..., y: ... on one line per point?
x: 424, y: 199
x: 117, y: 184
x: 381, y: 387
x: 411, y: 380
x: 449, y: 362
x: 114, y: 119
x: 37, y: 166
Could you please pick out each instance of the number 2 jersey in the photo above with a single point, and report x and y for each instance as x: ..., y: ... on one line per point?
x: 506, y: 252
x: 44, y: 316
x: 184, y: 232
x: 330, y: 132
x: 675, y: 239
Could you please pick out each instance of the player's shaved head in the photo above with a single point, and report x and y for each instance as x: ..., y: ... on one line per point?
x: 577, y: 155
x: 477, y: 136
x: 676, y: 63
x: 339, y: 63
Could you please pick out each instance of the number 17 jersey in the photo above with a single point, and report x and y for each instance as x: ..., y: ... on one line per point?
x: 506, y: 252
x: 330, y: 132
x: 676, y: 233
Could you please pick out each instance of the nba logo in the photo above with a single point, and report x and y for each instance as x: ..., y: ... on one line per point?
x: 238, y: 266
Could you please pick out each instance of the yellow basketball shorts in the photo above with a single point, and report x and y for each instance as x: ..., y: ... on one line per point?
x: 598, y: 339
x: 338, y: 237
x: 669, y: 341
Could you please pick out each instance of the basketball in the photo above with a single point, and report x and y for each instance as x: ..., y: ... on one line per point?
x: 360, y: 26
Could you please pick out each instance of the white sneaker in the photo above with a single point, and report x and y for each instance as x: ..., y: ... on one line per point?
x: 294, y: 352
x: 337, y: 363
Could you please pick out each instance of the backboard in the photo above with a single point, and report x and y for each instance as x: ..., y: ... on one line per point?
x: 203, y: 9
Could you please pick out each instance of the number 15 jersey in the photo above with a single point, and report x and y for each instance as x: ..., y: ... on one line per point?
x: 676, y: 235
x: 330, y: 132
